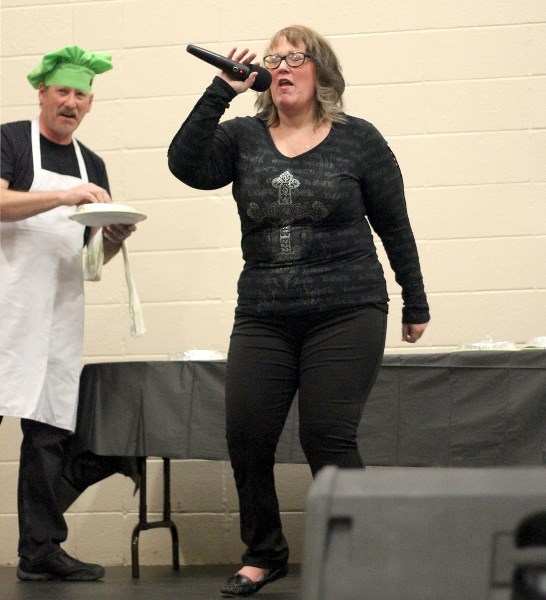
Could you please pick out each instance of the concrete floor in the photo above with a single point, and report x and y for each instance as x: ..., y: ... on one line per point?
x: 154, y: 583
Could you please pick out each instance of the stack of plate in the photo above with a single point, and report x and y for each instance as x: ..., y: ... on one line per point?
x: 537, y: 342
x: 193, y: 354
x: 489, y: 344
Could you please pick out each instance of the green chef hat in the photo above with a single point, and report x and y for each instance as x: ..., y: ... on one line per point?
x: 70, y: 66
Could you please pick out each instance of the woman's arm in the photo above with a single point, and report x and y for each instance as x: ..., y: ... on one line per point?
x: 386, y: 208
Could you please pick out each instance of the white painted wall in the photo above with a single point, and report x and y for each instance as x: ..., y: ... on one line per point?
x: 459, y: 91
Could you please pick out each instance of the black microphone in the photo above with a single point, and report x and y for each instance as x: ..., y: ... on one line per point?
x: 236, y: 70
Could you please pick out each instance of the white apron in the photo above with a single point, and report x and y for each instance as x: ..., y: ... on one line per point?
x: 42, y: 306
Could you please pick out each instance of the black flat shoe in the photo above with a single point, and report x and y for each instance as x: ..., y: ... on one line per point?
x: 239, y: 585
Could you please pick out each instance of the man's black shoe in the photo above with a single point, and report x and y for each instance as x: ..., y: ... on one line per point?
x: 58, y: 566
x: 239, y: 585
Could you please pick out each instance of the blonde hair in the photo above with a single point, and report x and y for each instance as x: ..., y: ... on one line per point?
x: 329, y: 86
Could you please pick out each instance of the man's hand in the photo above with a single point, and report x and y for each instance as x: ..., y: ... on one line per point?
x: 117, y: 234
x: 114, y: 236
x: 86, y: 193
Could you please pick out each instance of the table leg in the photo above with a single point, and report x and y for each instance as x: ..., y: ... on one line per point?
x: 143, y: 523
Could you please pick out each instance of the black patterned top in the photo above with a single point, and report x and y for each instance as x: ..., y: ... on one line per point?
x: 305, y: 221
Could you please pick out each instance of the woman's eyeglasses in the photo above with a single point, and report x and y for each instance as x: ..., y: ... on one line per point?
x: 293, y: 59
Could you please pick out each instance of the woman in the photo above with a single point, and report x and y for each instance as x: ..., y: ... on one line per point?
x: 309, y: 181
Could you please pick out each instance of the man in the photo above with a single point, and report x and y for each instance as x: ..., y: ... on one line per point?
x: 45, y: 174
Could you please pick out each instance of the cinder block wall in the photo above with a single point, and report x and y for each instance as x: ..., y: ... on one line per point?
x: 459, y: 91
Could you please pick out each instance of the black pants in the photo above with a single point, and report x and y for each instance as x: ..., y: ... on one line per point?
x: 51, y: 477
x: 333, y: 360
x: 42, y: 527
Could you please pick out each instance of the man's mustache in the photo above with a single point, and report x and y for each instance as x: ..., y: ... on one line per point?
x: 67, y: 112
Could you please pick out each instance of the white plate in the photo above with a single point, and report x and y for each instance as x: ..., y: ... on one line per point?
x: 100, y: 215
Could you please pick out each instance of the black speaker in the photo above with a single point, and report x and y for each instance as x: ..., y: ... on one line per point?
x: 426, y: 534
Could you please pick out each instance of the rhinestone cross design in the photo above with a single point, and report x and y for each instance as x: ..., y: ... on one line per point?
x: 286, y: 211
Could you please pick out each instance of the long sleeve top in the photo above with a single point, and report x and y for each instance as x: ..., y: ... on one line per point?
x: 306, y: 221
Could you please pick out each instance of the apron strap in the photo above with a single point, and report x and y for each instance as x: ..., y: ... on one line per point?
x: 36, y: 154
x: 81, y: 162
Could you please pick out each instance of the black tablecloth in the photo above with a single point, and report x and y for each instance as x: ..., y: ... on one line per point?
x: 451, y: 409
